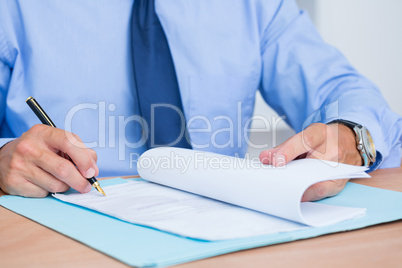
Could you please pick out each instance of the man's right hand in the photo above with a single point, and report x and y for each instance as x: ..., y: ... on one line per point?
x: 32, y: 165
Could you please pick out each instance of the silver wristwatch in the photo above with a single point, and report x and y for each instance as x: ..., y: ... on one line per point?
x: 365, y: 144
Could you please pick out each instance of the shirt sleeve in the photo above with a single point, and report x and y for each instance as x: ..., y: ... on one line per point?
x: 308, y: 81
x: 5, y: 76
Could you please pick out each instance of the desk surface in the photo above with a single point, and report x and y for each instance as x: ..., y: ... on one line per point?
x: 24, y: 243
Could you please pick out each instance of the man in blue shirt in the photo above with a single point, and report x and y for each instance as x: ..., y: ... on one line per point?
x: 74, y: 57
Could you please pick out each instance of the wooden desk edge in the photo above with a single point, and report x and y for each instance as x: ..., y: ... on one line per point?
x: 373, y: 246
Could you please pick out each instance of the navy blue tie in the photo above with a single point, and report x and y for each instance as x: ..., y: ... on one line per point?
x: 155, y: 79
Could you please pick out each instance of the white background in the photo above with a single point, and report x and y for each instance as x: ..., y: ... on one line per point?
x: 369, y: 33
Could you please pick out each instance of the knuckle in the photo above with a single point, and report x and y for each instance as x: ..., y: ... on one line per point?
x: 25, y: 147
x: 73, y: 140
x: 37, y: 129
x: 52, y: 133
x: 314, y: 134
x: 62, y: 170
x: 67, y: 144
x: 16, y: 163
x: 76, y: 137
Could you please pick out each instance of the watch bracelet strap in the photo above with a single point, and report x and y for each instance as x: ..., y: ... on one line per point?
x: 347, y: 123
x: 352, y: 125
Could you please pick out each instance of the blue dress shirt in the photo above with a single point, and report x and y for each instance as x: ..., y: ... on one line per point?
x: 74, y: 58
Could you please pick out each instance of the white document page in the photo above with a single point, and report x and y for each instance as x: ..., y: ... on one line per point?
x: 274, y: 191
x: 179, y: 212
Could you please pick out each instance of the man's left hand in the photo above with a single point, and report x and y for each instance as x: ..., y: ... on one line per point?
x: 334, y: 142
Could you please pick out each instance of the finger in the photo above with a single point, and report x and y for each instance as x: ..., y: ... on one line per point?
x: 301, y: 143
x: 23, y: 187
x: 323, y: 189
x: 93, y: 154
x: 46, y: 181
x: 76, y: 137
x: 91, y: 151
x: 63, y: 170
x: 66, y: 142
x: 266, y: 157
x: 95, y: 158
x: 271, y: 157
x: 304, y: 142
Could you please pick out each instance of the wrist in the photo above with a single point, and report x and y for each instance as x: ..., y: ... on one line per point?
x: 347, y: 142
x: 363, y: 141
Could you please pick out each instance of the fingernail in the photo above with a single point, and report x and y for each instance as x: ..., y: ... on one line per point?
x: 90, y: 173
x: 88, y: 188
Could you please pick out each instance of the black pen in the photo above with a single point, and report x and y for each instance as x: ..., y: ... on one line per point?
x: 45, y: 119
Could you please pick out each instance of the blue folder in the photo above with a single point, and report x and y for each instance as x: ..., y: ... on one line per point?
x: 146, y: 247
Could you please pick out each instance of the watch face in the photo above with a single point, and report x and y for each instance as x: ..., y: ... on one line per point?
x: 369, y: 145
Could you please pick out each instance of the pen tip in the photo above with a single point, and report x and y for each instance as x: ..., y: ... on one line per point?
x: 100, y: 190
x: 103, y: 192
